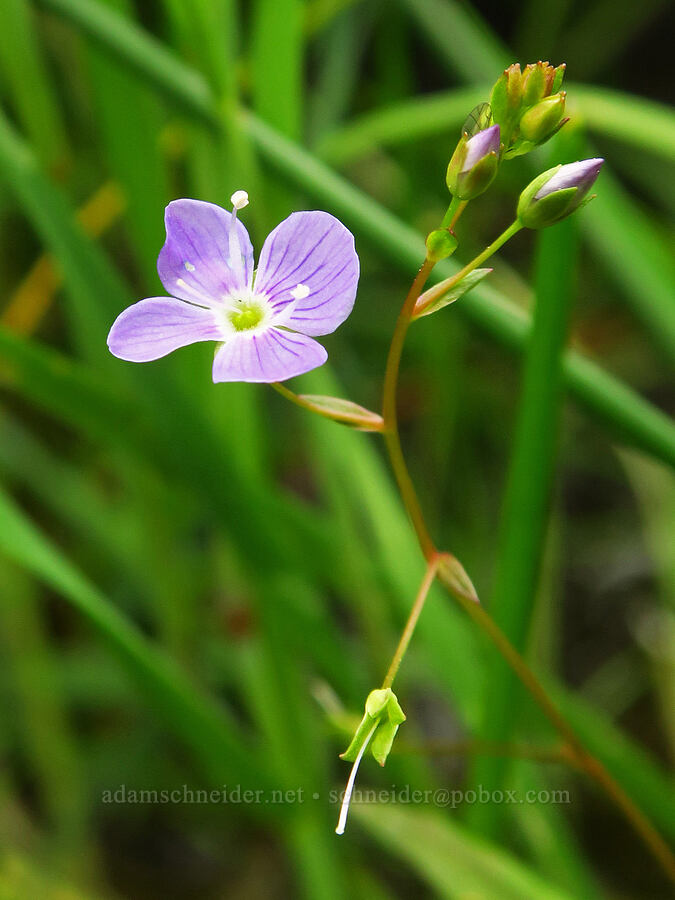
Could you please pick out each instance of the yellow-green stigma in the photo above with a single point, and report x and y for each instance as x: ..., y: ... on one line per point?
x: 246, y: 316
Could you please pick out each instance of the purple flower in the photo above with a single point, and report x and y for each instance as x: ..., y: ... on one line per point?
x: 304, y: 286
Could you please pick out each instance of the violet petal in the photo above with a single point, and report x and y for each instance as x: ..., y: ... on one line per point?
x: 313, y: 249
x: 194, y: 263
x: 154, y: 327
x: 271, y: 355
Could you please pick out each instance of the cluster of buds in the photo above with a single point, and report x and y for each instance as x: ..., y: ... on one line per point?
x: 528, y: 105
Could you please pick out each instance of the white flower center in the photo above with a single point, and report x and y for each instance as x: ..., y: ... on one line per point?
x: 245, y: 311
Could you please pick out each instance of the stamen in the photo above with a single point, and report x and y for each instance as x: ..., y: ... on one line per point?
x: 300, y: 291
x: 344, y: 809
x: 239, y: 199
x: 201, y: 296
x: 188, y: 267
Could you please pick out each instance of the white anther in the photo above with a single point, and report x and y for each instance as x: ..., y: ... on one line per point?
x: 239, y: 199
x: 300, y: 291
x: 188, y: 267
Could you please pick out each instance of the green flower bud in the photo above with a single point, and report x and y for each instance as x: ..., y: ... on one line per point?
x: 506, y: 100
x: 542, y: 121
x: 440, y: 244
x: 557, y: 193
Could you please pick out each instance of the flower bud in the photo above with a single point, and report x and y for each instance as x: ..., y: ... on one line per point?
x: 541, y: 121
x: 474, y: 164
x: 440, y: 244
x: 515, y: 95
x: 556, y: 193
x: 506, y: 99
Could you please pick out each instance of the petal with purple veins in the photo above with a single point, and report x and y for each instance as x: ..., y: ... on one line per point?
x: 272, y: 355
x: 154, y: 327
x: 312, y: 250
x: 196, y: 262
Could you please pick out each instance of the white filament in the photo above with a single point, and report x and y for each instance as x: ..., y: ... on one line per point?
x: 344, y: 809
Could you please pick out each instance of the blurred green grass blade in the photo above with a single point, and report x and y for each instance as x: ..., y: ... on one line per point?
x: 277, y: 63
x: 537, y: 36
x: 31, y: 88
x: 637, y: 121
x: 609, y: 400
x: 635, y: 770
x: 97, y: 292
x: 338, y: 55
x: 71, y: 392
x: 462, y: 38
x: 117, y: 418
x: 141, y: 52
x: 550, y: 838
x: 453, y: 862
x: 207, y: 729
x: 588, y: 55
x: 38, y: 710
x: 115, y: 537
x: 635, y: 257
x: 130, y: 136
x: 526, y: 503
x: 399, y: 123
x: 640, y: 123
x: 278, y: 689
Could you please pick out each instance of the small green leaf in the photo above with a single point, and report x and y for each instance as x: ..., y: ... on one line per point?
x: 344, y: 411
x: 440, y: 298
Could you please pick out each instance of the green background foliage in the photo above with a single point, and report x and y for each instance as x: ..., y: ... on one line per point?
x: 200, y: 584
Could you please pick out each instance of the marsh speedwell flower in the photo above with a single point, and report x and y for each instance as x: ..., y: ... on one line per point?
x: 264, y: 321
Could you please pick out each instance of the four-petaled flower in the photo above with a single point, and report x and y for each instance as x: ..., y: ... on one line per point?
x: 304, y: 286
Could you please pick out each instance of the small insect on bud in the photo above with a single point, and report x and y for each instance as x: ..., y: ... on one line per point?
x: 557, y: 193
x: 474, y: 163
x: 440, y: 244
x: 542, y: 121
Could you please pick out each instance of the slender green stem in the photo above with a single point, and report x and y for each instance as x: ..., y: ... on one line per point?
x: 415, y: 612
x: 390, y: 416
x: 585, y: 760
x: 453, y: 212
x: 443, y: 287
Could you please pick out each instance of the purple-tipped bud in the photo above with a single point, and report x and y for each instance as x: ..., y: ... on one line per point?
x: 480, y: 145
x: 579, y: 175
x: 556, y: 193
x: 474, y: 164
